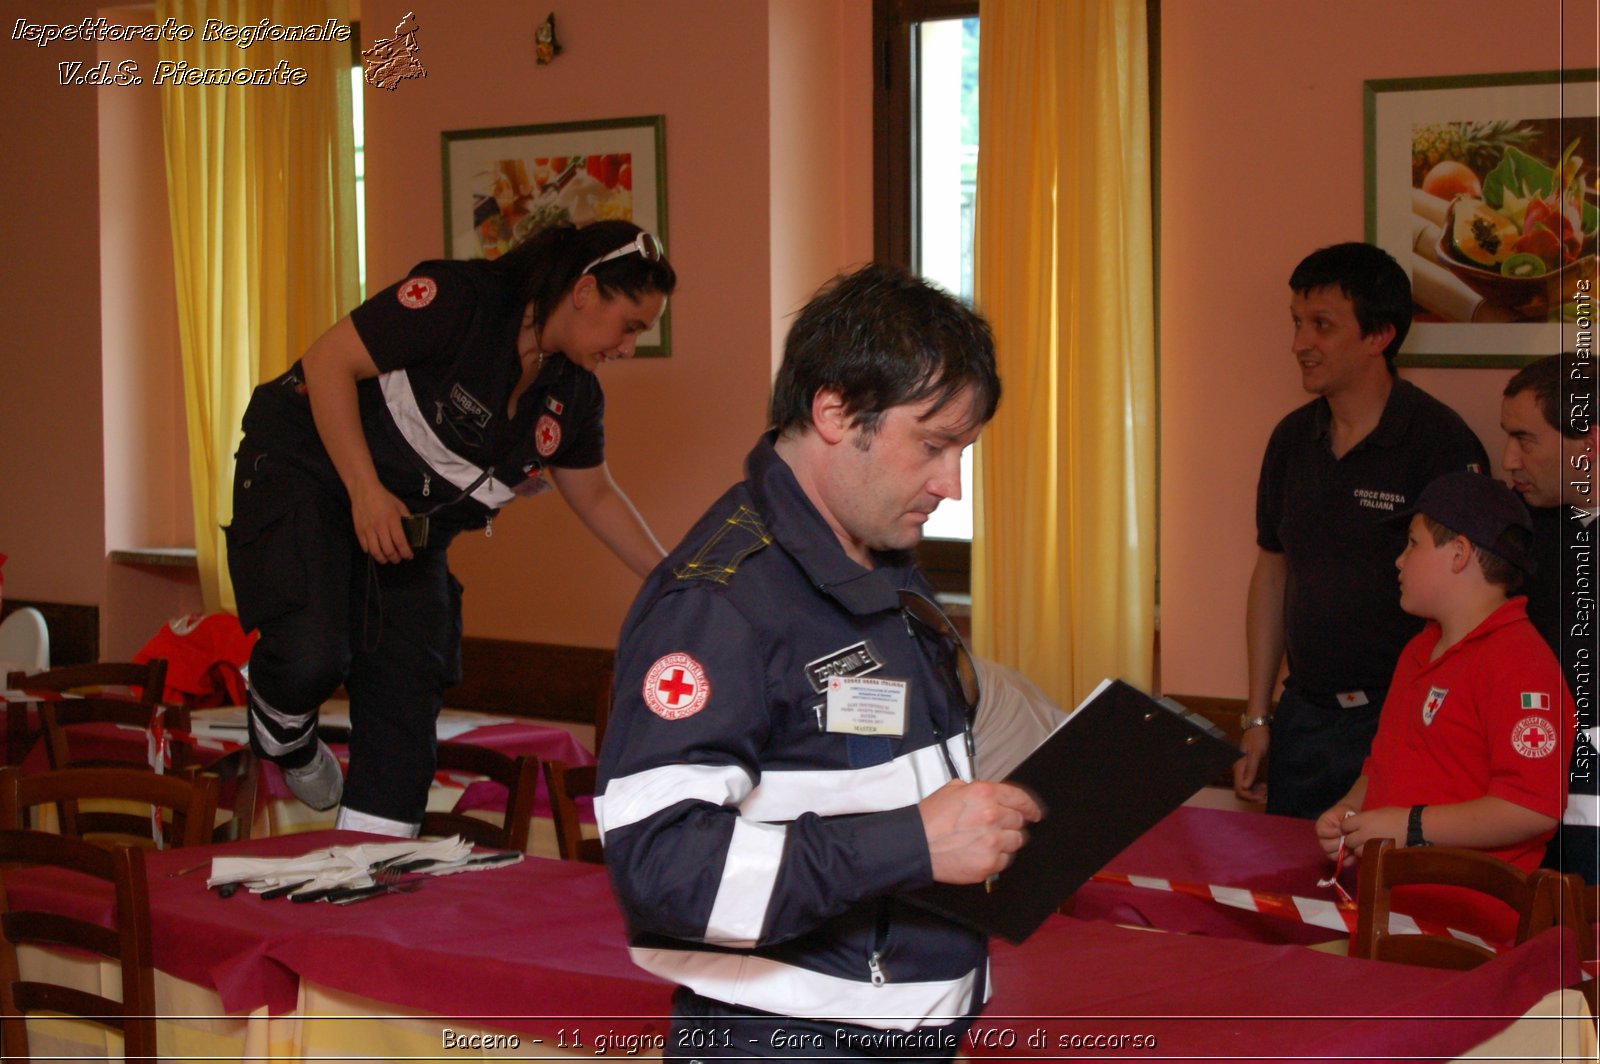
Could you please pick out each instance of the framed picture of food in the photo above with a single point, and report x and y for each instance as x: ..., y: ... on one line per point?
x: 503, y: 185
x: 1484, y: 187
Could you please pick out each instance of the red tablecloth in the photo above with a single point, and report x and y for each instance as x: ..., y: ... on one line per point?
x: 1230, y: 1000
x: 534, y: 946
x: 526, y: 947
x: 1252, y: 851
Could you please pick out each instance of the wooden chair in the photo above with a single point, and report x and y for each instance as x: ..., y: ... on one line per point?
x: 568, y: 783
x: 128, y: 944
x: 149, y: 677
x: 188, y: 806
x: 518, y: 775
x: 57, y: 718
x: 238, y: 781
x: 1385, y: 866
x: 1577, y: 905
x: 237, y: 773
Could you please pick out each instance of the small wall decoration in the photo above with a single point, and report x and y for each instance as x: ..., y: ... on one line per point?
x: 391, y: 60
x: 503, y: 185
x: 545, y: 45
x: 1484, y: 187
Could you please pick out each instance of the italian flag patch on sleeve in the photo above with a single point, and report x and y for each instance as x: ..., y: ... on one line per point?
x: 1535, y: 700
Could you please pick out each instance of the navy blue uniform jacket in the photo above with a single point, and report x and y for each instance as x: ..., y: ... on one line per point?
x: 757, y: 856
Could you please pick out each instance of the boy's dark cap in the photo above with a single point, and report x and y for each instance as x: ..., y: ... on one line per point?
x: 1481, y: 508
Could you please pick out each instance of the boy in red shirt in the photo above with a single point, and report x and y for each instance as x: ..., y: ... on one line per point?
x: 1469, y: 745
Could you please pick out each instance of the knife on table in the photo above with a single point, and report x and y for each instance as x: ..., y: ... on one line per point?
x: 488, y: 860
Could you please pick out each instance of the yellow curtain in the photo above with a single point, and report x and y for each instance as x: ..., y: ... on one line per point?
x: 1064, y: 547
x: 261, y: 191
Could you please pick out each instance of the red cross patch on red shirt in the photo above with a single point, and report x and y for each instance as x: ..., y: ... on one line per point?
x: 676, y: 687
x: 1533, y: 737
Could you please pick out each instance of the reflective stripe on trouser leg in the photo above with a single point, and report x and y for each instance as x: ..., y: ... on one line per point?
x: 355, y: 820
x: 277, y: 733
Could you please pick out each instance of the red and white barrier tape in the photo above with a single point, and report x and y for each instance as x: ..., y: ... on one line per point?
x: 1336, y: 916
x: 1317, y: 912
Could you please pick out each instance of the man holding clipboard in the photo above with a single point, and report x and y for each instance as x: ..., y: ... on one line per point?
x: 790, y: 750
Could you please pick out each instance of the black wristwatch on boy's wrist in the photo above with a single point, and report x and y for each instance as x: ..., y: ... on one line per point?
x: 1414, y: 835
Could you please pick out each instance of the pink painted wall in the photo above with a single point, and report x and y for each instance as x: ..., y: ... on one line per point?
x: 821, y: 201
x: 52, y: 517
x: 71, y: 497
x: 1262, y: 162
x: 142, y: 371
x: 139, y: 332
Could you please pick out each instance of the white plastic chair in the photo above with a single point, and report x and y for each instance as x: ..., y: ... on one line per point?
x: 25, y: 640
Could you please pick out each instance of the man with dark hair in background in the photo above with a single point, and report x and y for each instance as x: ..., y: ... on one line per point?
x: 1323, y: 588
x: 1547, y: 412
x: 790, y: 746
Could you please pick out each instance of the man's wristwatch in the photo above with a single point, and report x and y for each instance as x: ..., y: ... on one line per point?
x: 1414, y: 827
x: 1246, y: 722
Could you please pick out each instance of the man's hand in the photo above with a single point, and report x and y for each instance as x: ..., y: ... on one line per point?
x: 1249, y: 772
x: 974, y: 829
x: 1264, y: 645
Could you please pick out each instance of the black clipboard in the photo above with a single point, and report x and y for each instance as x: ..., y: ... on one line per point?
x: 1105, y: 776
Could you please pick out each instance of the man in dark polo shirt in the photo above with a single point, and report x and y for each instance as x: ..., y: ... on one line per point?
x: 1548, y: 414
x: 1323, y: 589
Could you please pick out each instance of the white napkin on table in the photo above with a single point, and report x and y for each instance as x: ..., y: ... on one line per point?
x: 340, y: 866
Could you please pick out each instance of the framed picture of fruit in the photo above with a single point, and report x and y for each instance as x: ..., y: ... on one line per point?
x: 1484, y: 187
x: 503, y: 185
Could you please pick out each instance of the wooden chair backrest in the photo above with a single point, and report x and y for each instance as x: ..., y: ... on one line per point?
x: 149, y: 677
x: 1385, y: 866
x: 189, y: 805
x: 57, y: 718
x: 128, y: 944
x: 1577, y: 905
x: 568, y: 783
x: 519, y: 776
x: 238, y: 780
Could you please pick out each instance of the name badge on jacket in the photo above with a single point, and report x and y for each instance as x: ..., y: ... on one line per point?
x: 864, y: 705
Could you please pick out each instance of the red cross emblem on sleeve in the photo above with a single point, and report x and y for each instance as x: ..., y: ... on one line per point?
x: 1533, y: 737
x: 676, y: 687
x: 417, y: 292
x: 547, y: 435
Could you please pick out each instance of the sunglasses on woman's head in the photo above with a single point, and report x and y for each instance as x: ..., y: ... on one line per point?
x: 645, y: 245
